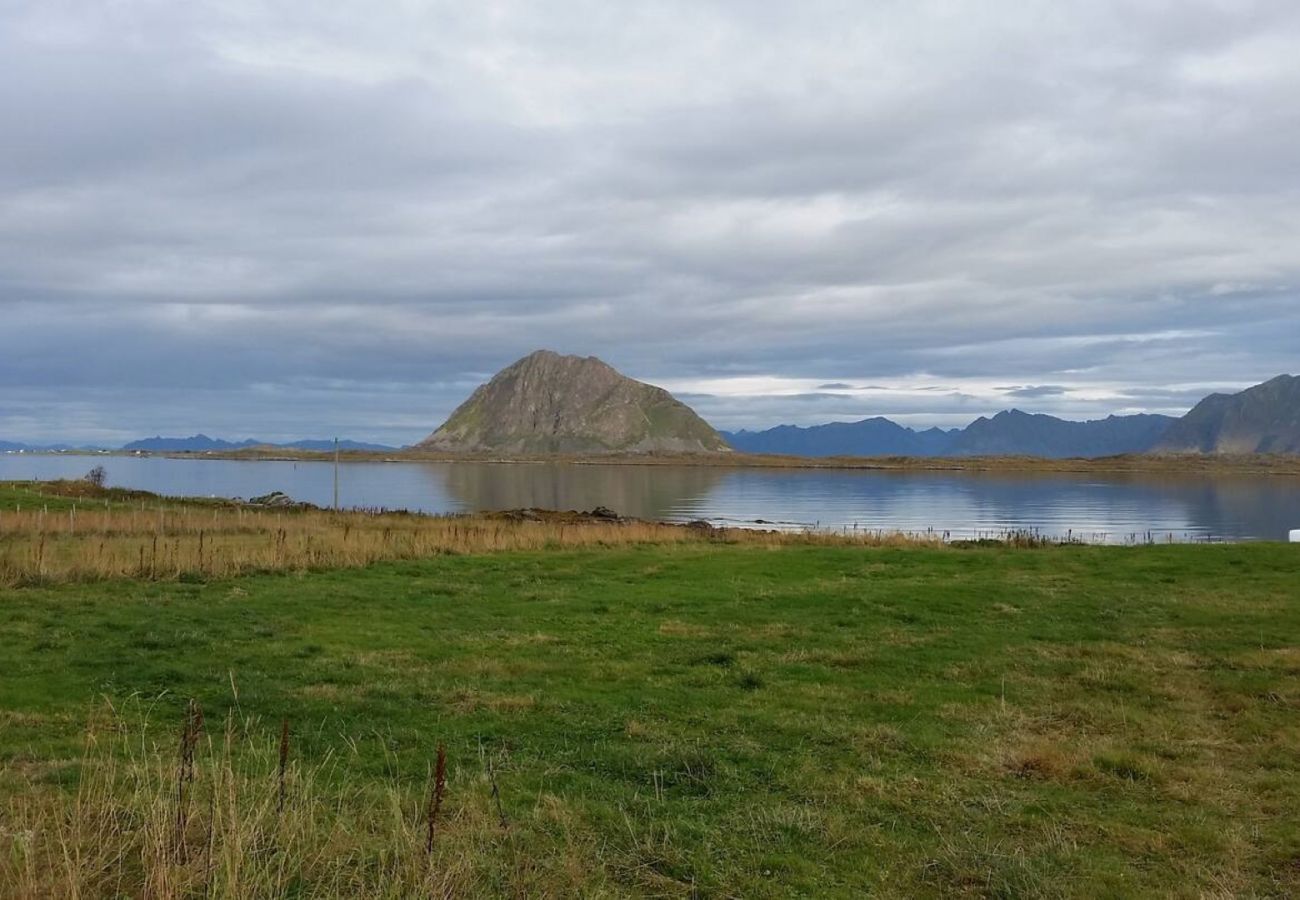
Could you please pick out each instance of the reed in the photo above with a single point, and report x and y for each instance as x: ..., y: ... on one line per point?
x: 191, y: 729
x: 284, y: 764
x: 436, y: 795
x: 169, y: 540
x: 217, y: 824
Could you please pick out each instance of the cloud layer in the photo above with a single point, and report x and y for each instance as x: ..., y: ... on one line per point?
x: 240, y: 218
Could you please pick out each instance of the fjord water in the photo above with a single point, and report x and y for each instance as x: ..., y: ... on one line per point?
x: 1111, y: 509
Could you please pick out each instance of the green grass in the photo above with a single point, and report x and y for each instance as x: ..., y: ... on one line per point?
x: 746, y: 721
x: 61, y: 496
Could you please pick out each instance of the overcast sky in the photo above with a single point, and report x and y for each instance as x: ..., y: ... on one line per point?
x: 292, y: 219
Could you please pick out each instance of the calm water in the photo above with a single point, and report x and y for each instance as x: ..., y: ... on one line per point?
x: 1114, y: 509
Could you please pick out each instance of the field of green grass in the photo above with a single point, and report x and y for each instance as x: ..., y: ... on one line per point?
x: 686, y: 720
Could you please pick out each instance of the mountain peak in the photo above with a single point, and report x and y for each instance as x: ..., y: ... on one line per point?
x: 1261, y: 419
x: 544, y: 356
x: 551, y: 403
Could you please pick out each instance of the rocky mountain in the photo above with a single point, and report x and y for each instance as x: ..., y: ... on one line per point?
x: 1261, y: 419
x: 548, y: 403
x: 1016, y: 433
x: 870, y: 437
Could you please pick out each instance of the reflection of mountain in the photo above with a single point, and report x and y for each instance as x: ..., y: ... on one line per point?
x: 1235, y: 508
x: 1232, y: 508
x: 648, y: 492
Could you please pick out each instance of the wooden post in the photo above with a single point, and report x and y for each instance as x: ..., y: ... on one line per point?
x: 336, y: 474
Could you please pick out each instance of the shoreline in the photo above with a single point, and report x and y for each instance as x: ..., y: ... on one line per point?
x: 77, y: 491
x: 1270, y: 465
x: 72, y: 492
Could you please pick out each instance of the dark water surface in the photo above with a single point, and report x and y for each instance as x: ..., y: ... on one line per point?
x: 1114, y: 508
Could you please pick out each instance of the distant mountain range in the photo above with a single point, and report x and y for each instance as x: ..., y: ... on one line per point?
x: 1024, y: 434
x: 882, y: 436
x: 201, y: 442
x: 198, y: 443
x: 547, y: 403
x: 194, y: 444
x: 1009, y: 433
x: 10, y: 447
x: 1261, y: 419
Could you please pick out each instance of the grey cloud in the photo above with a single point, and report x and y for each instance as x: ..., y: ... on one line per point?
x: 1035, y: 391
x: 950, y: 409
x: 262, y: 218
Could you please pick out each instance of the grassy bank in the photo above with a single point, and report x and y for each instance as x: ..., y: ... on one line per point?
x: 52, y: 532
x: 666, y: 719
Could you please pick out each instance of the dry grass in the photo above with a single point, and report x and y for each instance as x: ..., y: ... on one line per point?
x: 232, y: 814
x: 157, y: 539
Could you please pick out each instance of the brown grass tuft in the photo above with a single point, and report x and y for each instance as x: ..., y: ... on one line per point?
x: 231, y: 831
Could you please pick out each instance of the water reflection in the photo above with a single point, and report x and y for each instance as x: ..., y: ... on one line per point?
x: 1119, y: 508
x: 648, y: 492
x: 1114, y: 508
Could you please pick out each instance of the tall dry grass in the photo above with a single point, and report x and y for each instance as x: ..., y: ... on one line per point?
x: 231, y: 813
x: 171, y: 541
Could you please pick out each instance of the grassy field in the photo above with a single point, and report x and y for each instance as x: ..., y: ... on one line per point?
x: 667, y: 719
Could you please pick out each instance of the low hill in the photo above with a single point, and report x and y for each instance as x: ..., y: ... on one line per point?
x: 1261, y: 419
x: 548, y: 403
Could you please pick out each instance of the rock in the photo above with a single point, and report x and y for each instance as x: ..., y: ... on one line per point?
x: 275, y: 498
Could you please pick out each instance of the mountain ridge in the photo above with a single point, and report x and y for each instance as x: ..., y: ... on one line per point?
x: 1008, y: 433
x: 197, y: 443
x: 1264, y: 418
x: 884, y: 436
x: 1013, y: 432
x: 1261, y: 419
x: 201, y: 443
